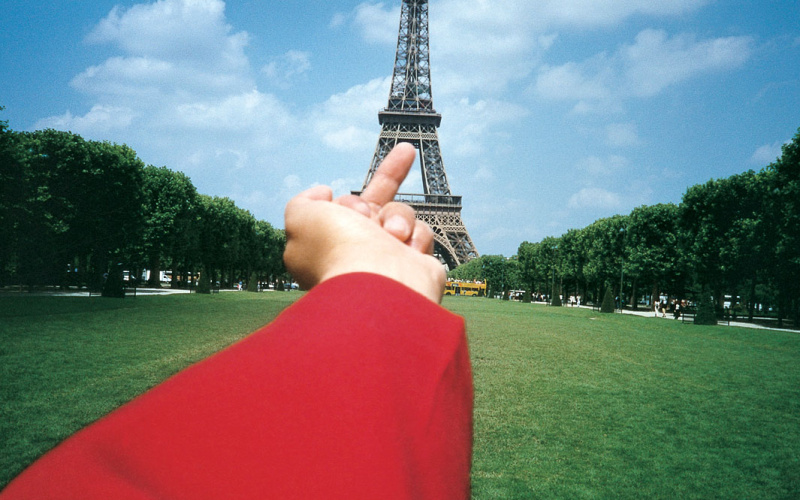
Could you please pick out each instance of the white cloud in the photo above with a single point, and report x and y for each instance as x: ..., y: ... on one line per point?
x: 291, y: 182
x: 595, y: 198
x: 343, y: 186
x: 236, y: 114
x: 471, y: 128
x: 484, y: 174
x: 343, y: 121
x: 338, y: 20
x: 194, y: 30
x: 593, y: 166
x: 377, y: 22
x: 137, y: 79
x: 587, y: 13
x: 181, y: 92
x: 99, y: 119
x: 767, y: 153
x: 285, y: 70
x: 573, y: 81
x: 622, y: 134
x: 171, y: 49
x: 645, y: 68
x: 491, y: 44
x: 656, y: 61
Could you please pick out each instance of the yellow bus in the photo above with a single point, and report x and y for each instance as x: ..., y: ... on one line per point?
x: 468, y: 288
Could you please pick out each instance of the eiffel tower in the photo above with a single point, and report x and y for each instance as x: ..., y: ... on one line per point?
x: 410, y: 117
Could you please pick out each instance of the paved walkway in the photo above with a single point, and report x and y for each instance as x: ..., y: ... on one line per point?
x: 743, y: 324
x: 648, y: 313
x: 84, y: 293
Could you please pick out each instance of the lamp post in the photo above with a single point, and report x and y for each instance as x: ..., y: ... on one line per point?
x: 553, y: 287
x: 621, y: 266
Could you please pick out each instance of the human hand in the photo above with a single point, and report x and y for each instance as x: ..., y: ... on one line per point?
x: 367, y: 233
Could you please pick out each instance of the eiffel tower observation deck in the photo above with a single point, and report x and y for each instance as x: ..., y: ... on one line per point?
x: 410, y: 117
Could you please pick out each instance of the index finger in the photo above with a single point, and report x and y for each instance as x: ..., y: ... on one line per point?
x: 390, y: 174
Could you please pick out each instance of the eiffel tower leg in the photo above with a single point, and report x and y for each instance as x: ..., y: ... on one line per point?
x: 452, y: 243
x: 387, y: 140
x: 434, y: 177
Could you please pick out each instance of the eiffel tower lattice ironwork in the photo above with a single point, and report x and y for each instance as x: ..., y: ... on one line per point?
x: 410, y: 117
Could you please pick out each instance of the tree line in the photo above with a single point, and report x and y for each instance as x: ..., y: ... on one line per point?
x: 735, y: 239
x: 75, y: 212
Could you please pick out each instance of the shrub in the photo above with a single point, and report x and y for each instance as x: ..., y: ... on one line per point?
x: 705, y: 309
x: 114, y: 285
x: 556, y: 300
x: 607, y: 305
x: 252, y: 283
x: 203, y: 283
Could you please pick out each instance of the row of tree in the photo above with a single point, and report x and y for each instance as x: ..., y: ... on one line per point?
x: 736, y: 239
x: 77, y: 213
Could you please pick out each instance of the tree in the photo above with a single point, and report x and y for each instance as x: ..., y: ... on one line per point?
x: 14, y: 192
x: 90, y: 195
x: 495, y: 274
x: 651, y: 249
x: 529, y: 266
x: 469, y: 271
x: 604, y: 247
x: 219, y: 241
x: 501, y: 274
x: 725, y: 227
x: 170, y: 219
x: 572, y: 262
x: 784, y: 212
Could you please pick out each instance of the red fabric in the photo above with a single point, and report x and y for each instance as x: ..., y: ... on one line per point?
x: 361, y: 389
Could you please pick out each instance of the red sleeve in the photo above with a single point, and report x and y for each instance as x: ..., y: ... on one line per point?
x: 361, y: 389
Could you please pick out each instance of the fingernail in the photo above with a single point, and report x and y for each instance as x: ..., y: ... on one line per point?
x: 397, y: 225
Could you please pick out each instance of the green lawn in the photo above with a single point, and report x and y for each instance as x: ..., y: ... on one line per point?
x: 574, y: 404
x: 569, y: 403
x: 64, y: 362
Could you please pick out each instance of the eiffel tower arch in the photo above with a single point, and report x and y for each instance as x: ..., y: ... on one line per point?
x: 410, y: 117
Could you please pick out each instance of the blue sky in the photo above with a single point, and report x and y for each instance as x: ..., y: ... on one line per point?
x: 555, y: 113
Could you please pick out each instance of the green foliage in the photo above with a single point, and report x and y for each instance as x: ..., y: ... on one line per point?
x: 469, y: 271
x: 540, y: 264
x: 652, y: 255
x: 203, y: 282
x: 170, y: 213
x: 608, y: 302
x: 705, y: 315
x: 114, y: 286
x: 252, y: 283
x: 555, y: 298
x: 69, y: 206
x: 783, y: 211
x: 500, y: 274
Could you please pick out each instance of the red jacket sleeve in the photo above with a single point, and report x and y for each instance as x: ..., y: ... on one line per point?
x: 361, y: 389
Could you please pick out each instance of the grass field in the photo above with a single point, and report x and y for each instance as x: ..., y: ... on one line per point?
x: 569, y: 403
